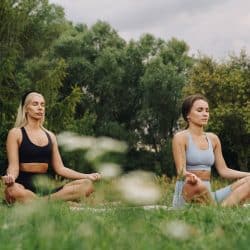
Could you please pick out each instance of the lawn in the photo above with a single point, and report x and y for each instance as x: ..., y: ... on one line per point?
x: 105, y: 222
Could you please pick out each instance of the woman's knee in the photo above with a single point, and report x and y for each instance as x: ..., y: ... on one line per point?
x: 87, y: 187
x: 13, y: 192
x: 248, y: 180
x: 247, y: 186
x: 82, y: 188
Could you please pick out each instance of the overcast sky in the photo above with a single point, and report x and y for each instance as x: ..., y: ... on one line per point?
x: 213, y: 27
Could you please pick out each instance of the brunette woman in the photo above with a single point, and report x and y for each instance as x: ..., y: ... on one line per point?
x: 195, y: 152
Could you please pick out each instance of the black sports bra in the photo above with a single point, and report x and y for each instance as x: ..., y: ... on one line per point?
x: 30, y: 153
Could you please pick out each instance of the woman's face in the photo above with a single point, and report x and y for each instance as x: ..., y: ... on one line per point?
x: 199, y: 113
x: 36, y: 106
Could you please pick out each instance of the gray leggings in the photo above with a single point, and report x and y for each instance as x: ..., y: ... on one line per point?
x: 218, y: 195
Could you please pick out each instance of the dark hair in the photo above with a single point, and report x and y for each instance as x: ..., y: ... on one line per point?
x: 26, y: 94
x: 188, y: 104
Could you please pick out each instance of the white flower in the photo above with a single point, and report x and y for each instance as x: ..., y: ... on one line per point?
x: 109, y: 170
x: 71, y: 141
x: 178, y: 229
x: 139, y: 187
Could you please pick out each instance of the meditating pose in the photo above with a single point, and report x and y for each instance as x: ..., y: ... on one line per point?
x: 195, y: 152
x: 31, y: 150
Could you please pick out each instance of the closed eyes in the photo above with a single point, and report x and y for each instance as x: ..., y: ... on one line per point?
x: 37, y: 103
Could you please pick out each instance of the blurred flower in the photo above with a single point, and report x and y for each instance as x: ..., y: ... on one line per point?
x: 85, y: 229
x: 139, y: 187
x: 94, y: 153
x: 111, y: 145
x: 246, y: 205
x: 109, y: 170
x: 44, y: 184
x: 5, y: 226
x: 178, y: 230
x: 95, y: 147
x: 71, y: 141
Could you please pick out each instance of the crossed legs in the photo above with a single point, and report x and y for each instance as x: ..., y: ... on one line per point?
x: 74, y: 190
x: 240, y: 193
x: 71, y: 191
x: 197, y: 193
x: 17, y: 192
x: 200, y: 194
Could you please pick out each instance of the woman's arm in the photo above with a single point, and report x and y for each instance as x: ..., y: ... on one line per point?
x: 61, y: 170
x: 179, y: 153
x: 12, y: 145
x: 220, y: 163
x: 178, y: 147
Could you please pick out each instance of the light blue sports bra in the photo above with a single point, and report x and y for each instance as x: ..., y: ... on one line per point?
x: 199, y: 159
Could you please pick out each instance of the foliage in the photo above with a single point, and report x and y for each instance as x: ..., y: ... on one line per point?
x: 28, y: 27
x: 164, y: 78
x: 95, y: 83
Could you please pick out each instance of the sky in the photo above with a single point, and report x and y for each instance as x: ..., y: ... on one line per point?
x: 215, y: 28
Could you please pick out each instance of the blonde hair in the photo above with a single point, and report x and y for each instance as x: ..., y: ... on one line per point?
x: 21, y: 119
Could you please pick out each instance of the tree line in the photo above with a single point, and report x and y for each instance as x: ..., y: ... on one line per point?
x: 95, y: 83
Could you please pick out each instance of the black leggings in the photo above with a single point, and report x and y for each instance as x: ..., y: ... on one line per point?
x: 37, y: 183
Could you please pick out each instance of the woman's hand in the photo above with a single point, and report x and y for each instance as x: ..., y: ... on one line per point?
x: 8, y: 179
x: 93, y: 176
x: 195, y: 190
x: 191, y: 178
x: 192, y: 186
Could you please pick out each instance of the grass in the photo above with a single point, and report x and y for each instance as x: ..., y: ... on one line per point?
x: 103, y: 224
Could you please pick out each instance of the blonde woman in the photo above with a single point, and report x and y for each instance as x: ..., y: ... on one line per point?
x: 195, y: 152
x: 31, y: 150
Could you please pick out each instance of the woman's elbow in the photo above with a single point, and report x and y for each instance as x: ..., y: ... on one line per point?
x: 223, y: 173
x: 58, y: 170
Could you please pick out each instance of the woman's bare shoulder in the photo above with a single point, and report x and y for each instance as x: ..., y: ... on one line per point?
x: 15, y: 132
x: 51, y: 134
x: 181, y: 136
x: 214, y: 138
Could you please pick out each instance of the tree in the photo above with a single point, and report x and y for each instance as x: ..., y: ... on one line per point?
x: 27, y: 29
x: 164, y: 78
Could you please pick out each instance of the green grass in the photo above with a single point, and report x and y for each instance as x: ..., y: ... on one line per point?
x: 106, y: 225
